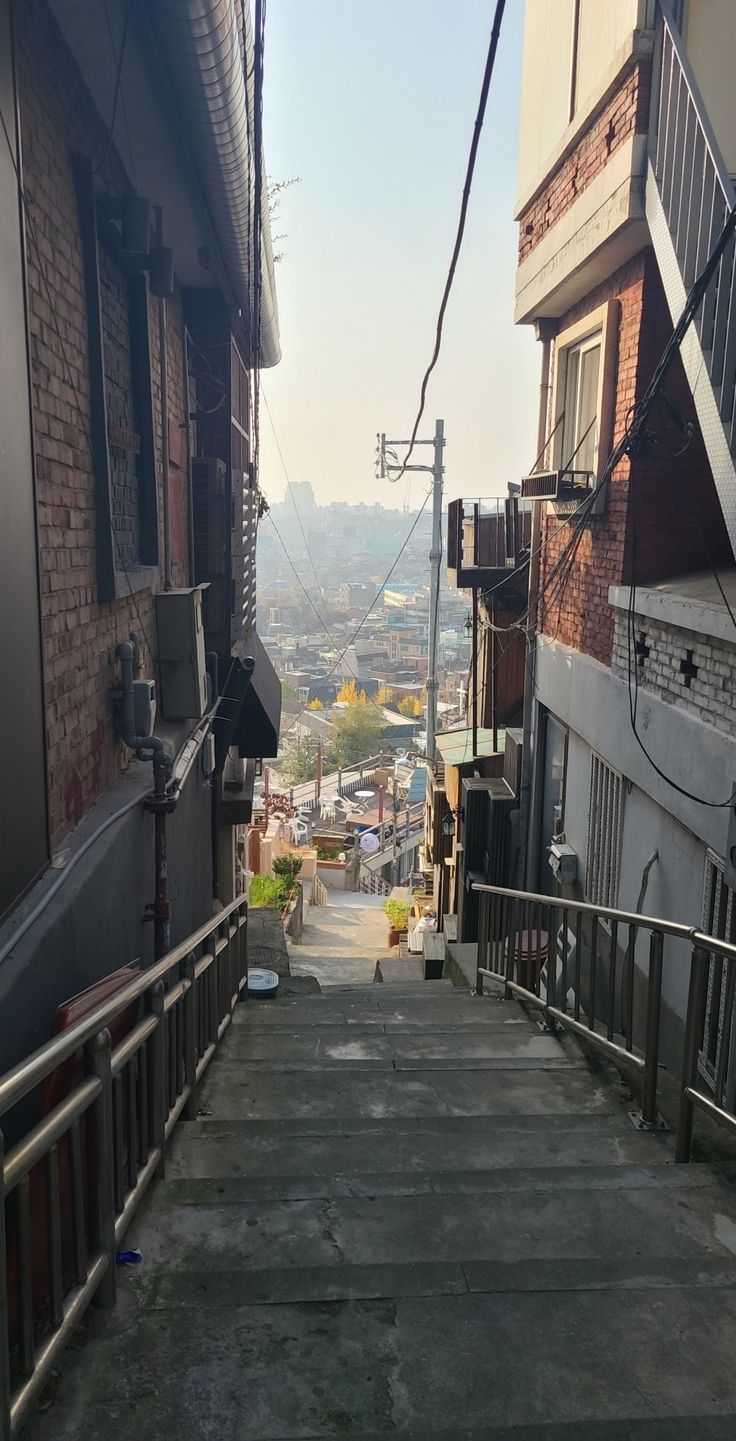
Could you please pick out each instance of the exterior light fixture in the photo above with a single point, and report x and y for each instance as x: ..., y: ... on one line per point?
x: 468, y: 625
x: 448, y: 825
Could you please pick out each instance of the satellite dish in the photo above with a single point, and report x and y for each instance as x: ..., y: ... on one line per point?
x: 369, y: 842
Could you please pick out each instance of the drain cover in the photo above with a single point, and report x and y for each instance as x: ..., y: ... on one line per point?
x: 262, y: 983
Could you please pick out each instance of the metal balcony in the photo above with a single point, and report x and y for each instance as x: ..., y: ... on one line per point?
x: 488, y: 545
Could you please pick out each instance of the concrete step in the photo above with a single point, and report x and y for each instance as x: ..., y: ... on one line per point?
x: 621, y: 1213
x: 399, y: 1049
x: 587, y: 1364
x: 234, y: 1091
x: 436, y: 988
x: 330, y: 1151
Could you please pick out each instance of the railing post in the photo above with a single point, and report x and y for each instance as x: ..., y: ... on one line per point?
x: 483, y: 937
x: 694, y: 1021
x: 98, y: 1055
x: 157, y: 1081
x: 190, y: 1037
x: 651, y: 1048
x: 5, y: 1430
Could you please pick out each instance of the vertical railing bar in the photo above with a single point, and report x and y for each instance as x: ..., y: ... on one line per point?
x: 79, y: 1224
x: 26, y: 1358
x: 694, y: 1024
x: 593, y: 972
x: 190, y: 1037
x: 157, y: 1076
x: 102, y: 1163
x: 171, y: 1055
x: 578, y: 961
x: 118, y: 1143
x: 683, y: 218
x: 651, y: 1046
x: 551, y: 956
x: 143, y: 1105
x: 131, y: 1075
x: 630, y: 968
x: 697, y: 198
x: 53, y: 1206
x: 562, y: 999
x: 5, y: 1394
x: 612, y: 980
x: 727, y: 1032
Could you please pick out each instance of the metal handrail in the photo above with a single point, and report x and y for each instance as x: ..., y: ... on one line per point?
x: 29, y: 1073
x: 100, y: 1146
x: 532, y: 959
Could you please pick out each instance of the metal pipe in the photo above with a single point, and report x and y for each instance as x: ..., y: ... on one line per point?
x: 188, y: 441
x: 474, y: 668
x: 544, y: 331
x: 163, y: 372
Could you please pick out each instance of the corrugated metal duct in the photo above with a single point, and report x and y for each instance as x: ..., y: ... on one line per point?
x: 209, y: 46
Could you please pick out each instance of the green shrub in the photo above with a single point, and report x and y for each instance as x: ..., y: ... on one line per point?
x: 265, y: 891
x: 287, y: 869
x: 398, y: 914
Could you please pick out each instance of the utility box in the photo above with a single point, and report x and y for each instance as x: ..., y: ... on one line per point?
x: 181, y: 655
x: 563, y: 863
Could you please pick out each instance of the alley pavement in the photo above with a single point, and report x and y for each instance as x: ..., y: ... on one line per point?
x: 407, y: 1212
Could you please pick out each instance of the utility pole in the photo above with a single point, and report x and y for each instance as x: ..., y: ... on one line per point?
x: 386, y: 462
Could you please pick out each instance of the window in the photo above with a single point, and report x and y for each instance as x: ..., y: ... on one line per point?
x: 605, y: 829
x: 583, y: 396
x: 719, y: 919
x: 121, y: 402
x: 580, y: 424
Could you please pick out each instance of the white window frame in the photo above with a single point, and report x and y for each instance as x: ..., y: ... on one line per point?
x: 606, y: 799
x: 603, y: 323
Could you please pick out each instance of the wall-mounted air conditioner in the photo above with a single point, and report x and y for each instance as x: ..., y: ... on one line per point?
x: 557, y: 485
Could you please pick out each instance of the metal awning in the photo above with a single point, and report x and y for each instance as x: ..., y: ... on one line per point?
x: 256, y: 731
x: 456, y: 747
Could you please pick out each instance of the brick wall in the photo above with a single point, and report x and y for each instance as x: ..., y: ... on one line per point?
x: 710, y: 693
x: 677, y: 514
x: 79, y: 635
x: 626, y: 114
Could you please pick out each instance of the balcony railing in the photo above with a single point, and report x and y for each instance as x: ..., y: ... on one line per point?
x: 578, y: 964
x: 488, y: 543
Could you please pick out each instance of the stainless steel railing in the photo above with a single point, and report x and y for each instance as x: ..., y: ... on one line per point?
x: 697, y: 195
x: 583, y: 966
x: 71, y: 1184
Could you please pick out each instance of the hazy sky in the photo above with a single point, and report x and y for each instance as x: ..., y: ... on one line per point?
x: 372, y: 105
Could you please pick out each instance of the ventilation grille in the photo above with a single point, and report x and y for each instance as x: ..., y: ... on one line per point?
x: 556, y: 485
x: 605, y: 828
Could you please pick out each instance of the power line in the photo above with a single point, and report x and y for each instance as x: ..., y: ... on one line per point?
x: 478, y: 126
x: 116, y: 92
x: 290, y: 489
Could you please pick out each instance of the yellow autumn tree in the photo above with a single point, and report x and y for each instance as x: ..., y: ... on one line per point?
x: 411, y: 706
x: 384, y: 696
x: 315, y: 704
x: 349, y: 693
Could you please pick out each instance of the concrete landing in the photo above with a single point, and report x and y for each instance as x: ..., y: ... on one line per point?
x: 342, y: 941
x: 405, y: 1212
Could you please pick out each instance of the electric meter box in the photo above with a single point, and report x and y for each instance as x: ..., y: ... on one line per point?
x: 181, y: 655
x: 563, y: 861
x: 144, y: 707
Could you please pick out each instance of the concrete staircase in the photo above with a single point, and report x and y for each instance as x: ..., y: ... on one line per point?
x: 407, y: 1212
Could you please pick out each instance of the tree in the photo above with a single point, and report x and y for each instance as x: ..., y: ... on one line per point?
x: 411, y: 706
x: 298, y: 760
x: 385, y: 695
x: 359, y: 733
x: 349, y: 693
x: 315, y: 704
x: 288, y: 689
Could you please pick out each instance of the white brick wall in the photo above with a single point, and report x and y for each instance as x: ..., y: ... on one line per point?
x: 711, y: 695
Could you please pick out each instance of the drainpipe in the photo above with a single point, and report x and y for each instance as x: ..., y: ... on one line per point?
x: 188, y: 440
x: 161, y: 803
x: 163, y: 366
x: 545, y: 331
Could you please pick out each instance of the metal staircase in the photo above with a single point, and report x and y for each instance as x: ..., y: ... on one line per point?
x: 689, y: 194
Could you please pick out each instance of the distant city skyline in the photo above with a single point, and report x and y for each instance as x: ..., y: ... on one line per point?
x: 380, y: 147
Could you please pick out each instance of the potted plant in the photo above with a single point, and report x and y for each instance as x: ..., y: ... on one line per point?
x: 398, y: 920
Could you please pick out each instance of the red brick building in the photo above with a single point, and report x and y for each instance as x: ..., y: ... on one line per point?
x: 138, y: 304
x: 624, y: 185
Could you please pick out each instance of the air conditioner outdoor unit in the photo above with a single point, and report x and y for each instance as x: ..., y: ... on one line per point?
x: 557, y: 485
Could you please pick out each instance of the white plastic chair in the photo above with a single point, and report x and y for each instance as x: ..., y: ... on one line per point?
x: 299, y: 831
